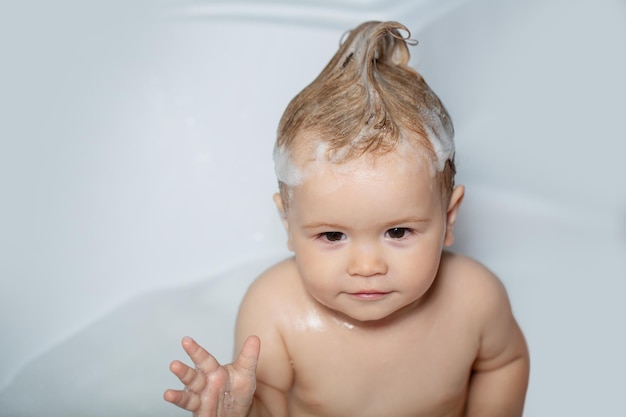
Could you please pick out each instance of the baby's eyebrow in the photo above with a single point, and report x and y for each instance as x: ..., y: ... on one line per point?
x: 322, y: 225
x: 405, y: 220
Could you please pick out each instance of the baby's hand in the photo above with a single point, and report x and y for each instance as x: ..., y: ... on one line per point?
x: 212, y: 389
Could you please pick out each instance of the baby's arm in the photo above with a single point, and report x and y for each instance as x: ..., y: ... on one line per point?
x: 212, y: 389
x: 500, y: 373
x: 262, y: 311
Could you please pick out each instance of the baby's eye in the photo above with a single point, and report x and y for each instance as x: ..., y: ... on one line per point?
x: 333, y: 236
x: 397, y: 232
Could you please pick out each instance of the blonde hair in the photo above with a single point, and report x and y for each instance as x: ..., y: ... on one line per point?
x: 365, y: 100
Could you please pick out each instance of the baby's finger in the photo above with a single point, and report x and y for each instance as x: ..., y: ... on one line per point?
x: 193, y: 380
x: 202, y: 359
x: 249, y: 356
x: 182, y: 399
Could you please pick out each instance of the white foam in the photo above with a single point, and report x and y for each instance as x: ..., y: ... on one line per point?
x: 443, y: 146
x: 285, y: 169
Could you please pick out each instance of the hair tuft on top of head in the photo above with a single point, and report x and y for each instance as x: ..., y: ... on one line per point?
x: 365, y: 95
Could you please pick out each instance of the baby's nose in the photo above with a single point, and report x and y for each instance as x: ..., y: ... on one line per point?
x: 366, y: 261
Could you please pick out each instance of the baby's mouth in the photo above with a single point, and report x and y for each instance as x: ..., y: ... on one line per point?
x: 369, y: 295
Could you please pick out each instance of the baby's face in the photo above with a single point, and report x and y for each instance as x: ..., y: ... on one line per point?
x: 368, y: 234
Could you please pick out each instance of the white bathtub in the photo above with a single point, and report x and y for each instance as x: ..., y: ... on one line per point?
x: 136, y: 180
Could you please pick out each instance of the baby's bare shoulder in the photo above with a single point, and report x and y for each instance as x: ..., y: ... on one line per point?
x: 282, y: 276
x: 471, y: 283
x: 274, y: 288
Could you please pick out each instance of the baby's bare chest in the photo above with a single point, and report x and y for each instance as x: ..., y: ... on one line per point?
x: 351, y: 373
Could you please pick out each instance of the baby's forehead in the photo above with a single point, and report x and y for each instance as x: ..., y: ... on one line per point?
x: 372, y: 176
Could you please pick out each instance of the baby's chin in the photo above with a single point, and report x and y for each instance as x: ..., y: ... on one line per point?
x: 370, y: 316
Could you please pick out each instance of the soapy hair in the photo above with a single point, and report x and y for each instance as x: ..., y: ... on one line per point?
x: 366, y: 100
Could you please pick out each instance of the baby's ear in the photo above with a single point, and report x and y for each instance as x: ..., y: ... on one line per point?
x: 453, y: 210
x: 278, y: 200
x: 281, y: 208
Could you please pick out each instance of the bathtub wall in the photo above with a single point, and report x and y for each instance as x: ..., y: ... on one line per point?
x: 136, y: 140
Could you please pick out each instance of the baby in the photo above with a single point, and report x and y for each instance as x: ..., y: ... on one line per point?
x: 371, y: 316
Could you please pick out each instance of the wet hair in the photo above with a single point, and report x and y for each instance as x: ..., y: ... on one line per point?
x: 366, y: 100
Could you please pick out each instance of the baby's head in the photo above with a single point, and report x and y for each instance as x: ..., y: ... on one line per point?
x: 366, y: 101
